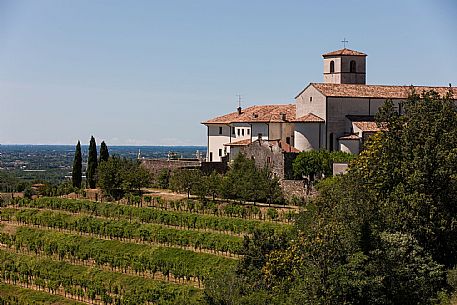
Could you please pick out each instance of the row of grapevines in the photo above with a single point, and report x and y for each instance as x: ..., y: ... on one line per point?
x: 92, y: 283
x: 122, y: 229
x: 14, y: 295
x: 151, y: 215
x: 246, y: 211
x: 181, y: 264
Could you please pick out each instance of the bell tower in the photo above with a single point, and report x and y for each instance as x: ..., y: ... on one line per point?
x: 345, y: 66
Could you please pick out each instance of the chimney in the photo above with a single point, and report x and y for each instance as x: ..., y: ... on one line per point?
x: 239, y: 110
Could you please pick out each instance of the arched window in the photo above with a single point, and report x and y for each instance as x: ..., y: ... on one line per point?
x: 352, y: 66
x: 332, y: 67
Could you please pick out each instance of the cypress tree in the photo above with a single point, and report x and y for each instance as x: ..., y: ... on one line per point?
x: 104, y: 154
x: 92, y: 164
x: 76, y: 175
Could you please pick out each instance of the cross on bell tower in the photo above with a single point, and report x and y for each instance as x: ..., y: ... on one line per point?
x: 344, y: 41
x: 345, y: 66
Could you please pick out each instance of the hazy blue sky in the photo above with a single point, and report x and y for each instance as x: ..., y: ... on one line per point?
x: 148, y: 72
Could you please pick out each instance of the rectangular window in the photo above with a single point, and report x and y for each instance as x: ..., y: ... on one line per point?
x: 288, y: 140
x: 220, y: 152
x: 331, y: 142
x: 248, y: 131
x: 210, y: 157
x: 220, y: 130
x: 238, y: 132
x: 233, y: 130
x: 242, y: 132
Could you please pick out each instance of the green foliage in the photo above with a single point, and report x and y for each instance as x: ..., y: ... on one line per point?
x: 382, y: 234
x: 76, y: 175
x: 186, y: 180
x: 119, y: 256
x: 92, y: 283
x: 118, y: 176
x: 149, y: 215
x: 104, y: 154
x: 164, y: 178
x: 11, y: 294
x: 318, y: 162
x: 92, y: 164
x: 124, y: 229
x: 244, y: 181
x: 29, y: 192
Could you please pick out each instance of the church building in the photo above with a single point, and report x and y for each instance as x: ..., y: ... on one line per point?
x: 337, y: 114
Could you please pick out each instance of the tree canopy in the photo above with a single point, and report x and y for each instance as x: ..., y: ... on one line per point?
x: 384, y: 233
x: 76, y: 175
x: 92, y: 164
x: 104, y: 154
x: 119, y: 176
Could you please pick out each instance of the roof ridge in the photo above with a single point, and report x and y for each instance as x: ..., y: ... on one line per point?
x: 374, y: 85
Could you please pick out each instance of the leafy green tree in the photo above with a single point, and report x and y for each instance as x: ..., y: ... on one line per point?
x: 316, y: 162
x: 164, y: 178
x: 92, y: 164
x: 76, y: 175
x: 110, y: 177
x: 119, y: 176
x: 184, y: 180
x: 214, y: 184
x: 246, y: 182
x: 384, y: 232
x: 104, y: 154
x: 310, y: 163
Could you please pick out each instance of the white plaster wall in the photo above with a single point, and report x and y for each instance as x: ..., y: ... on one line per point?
x: 217, y: 141
x: 239, y: 127
x: 316, y: 105
x: 340, y: 107
x: 349, y: 146
x: 233, y: 152
x: 307, y: 136
x: 259, y: 128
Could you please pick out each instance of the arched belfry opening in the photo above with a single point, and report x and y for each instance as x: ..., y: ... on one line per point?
x: 352, y: 66
x: 345, y: 66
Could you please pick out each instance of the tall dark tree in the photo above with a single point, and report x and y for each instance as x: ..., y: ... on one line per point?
x: 76, y: 175
x: 104, y: 154
x: 92, y: 164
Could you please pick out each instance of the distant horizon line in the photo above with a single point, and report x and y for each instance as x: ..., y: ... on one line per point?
x: 117, y: 145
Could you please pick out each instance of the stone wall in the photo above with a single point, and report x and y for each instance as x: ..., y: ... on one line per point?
x: 294, y: 188
x: 263, y: 155
x: 297, y: 188
x: 155, y: 166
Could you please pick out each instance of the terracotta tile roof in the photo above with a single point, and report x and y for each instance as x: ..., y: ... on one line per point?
x: 376, y: 91
x: 349, y: 137
x: 367, y: 126
x: 239, y: 143
x: 344, y: 52
x: 309, y: 118
x: 260, y: 114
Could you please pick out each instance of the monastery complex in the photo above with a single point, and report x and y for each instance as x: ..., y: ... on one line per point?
x: 337, y: 114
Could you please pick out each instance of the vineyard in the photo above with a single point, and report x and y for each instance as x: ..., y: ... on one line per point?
x: 70, y: 251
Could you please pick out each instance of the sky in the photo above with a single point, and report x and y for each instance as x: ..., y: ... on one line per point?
x: 148, y: 72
